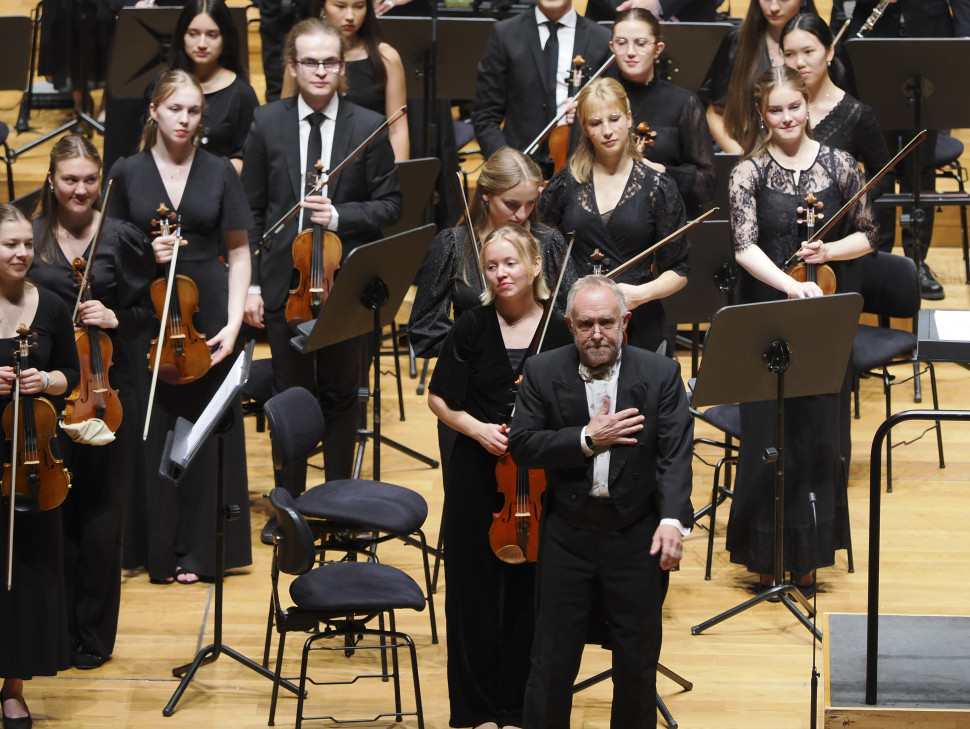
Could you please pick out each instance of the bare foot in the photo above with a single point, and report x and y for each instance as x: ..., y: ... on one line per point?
x: 183, y: 577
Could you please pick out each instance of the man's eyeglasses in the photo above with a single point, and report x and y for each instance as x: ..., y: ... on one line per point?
x: 310, y: 65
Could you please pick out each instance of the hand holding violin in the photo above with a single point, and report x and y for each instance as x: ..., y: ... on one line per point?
x: 814, y: 252
x: 320, y: 208
x: 32, y: 382
x: 493, y: 438
x: 95, y: 314
x: 163, y: 246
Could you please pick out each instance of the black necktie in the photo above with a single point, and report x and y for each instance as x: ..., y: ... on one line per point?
x: 551, y: 53
x: 314, y: 148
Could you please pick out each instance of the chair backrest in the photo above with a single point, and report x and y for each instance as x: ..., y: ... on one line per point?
x: 889, y: 285
x: 295, y: 553
x: 296, y: 425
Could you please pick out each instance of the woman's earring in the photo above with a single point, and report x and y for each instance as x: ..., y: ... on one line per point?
x: 762, y: 125
x: 485, y: 202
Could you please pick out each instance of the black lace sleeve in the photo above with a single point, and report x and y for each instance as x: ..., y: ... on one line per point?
x: 743, y: 190
x: 430, y: 319
x: 554, y: 199
x: 671, y: 216
x: 851, y: 180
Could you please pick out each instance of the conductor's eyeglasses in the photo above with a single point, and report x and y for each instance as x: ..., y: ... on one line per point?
x: 587, y: 327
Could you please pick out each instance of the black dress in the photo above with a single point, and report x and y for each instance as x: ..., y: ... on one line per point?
x: 227, y: 117
x: 448, y: 279
x: 649, y: 210
x: 33, y: 614
x: 489, y: 603
x: 362, y: 88
x: 764, y: 196
x: 176, y: 525
x: 93, y: 513
x: 681, y: 142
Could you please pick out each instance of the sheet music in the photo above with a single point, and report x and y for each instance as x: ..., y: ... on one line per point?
x: 952, y: 326
x: 183, y: 452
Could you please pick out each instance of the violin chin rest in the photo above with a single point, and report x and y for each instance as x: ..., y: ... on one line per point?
x: 24, y: 504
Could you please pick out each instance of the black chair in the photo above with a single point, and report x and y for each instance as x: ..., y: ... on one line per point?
x: 343, y: 597
x: 350, y: 516
x: 727, y: 419
x: 890, y: 287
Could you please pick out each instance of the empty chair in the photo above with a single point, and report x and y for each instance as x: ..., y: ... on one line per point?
x: 343, y: 597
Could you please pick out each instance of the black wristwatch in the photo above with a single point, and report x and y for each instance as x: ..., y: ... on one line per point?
x: 589, y: 441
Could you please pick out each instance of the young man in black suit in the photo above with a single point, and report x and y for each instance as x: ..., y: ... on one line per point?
x: 609, y: 424
x: 515, y: 76
x: 285, y: 141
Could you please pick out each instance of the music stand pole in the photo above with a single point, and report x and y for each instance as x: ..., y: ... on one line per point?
x: 211, y: 652
x: 784, y: 336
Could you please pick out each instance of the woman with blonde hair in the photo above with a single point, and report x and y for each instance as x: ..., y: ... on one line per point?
x: 206, y: 195
x: 101, y: 461
x: 618, y: 206
x: 783, y: 166
x: 489, y: 605
x: 506, y: 192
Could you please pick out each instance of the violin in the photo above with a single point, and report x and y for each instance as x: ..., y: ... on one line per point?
x: 179, y: 354
x: 36, y: 478
x: 514, y: 534
x: 821, y: 274
x: 93, y: 397
x: 316, y: 258
x: 559, y: 137
x: 645, y: 137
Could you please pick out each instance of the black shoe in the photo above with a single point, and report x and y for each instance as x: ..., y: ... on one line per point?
x: 86, y: 661
x: 266, y: 536
x: 807, y: 590
x: 23, y: 722
x: 929, y: 287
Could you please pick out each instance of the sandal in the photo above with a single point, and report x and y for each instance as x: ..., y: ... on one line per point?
x: 184, y: 577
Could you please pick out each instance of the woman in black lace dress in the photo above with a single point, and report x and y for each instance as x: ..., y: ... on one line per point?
x: 768, y: 184
x: 619, y: 205
x: 679, y: 142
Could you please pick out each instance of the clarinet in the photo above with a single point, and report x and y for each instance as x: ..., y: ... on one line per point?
x: 872, y: 19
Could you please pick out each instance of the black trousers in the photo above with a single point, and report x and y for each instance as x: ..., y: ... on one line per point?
x: 577, y: 568
x: 333, y: 374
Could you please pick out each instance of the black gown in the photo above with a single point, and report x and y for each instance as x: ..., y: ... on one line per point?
x: 764, y: 196
x: 448, y: 280
x: 33, y: 614
x: 227, y: 117
x: 174, y: 527
x: 489, y: 603
x: 93, y: 513
x: 362, y: 88
x: 681, y: 140
x: 649, y: 210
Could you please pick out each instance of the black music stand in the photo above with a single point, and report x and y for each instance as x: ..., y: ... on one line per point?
x: 773, y: 351
x: 366, y: 295
x: 711, y: 285
x: 181, y: 445
x: 143, y: 43
x: 453, y: 41
x: 690, y: 49
x: 923, y: 88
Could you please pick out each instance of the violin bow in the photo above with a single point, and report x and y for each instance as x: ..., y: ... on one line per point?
x: 325, y: 178
x: 643, y: 254
x: 534, y: 147
x: 89, y: 266
x: 826, y: 227
x: 159, y: 344
x: 473, y: 239
x: 560, y: 275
